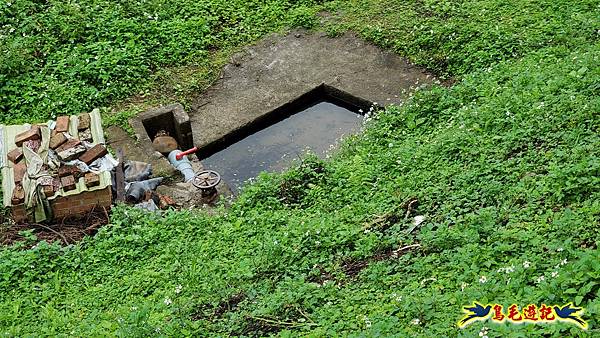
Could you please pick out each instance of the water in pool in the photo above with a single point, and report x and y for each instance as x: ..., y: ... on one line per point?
x: 275, y: 147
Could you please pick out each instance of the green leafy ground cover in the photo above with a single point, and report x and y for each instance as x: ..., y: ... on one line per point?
x: 505, y: 166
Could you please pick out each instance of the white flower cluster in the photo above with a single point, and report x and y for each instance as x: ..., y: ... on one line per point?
x: 370, y: 115
x: 507, y: 269
x: 483, y: 332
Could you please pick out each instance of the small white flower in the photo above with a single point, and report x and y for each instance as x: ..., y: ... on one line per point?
x: 563, y: 262
x: 390, y: 145
x: 526, y: 264
x: 168, y: 301
x: 554, y: 274
x: 134, y: 308
x: 540, y: 279
x: 415, y: 321
x: 178, y: 289
x: 482, y: 279
x: 399, y: 298
x: 559, y: 249
x: 463, y: 286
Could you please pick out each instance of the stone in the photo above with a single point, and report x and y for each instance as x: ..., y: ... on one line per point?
x: 15, y: 155
x: 93, y: 154
x: 32, y: 134
x: 57, y: 140
x: 18, y: 195
x: 68, y: 182
x: 91, y: 179
x: 19, y: 171
x: 83, y: 121
x: 62, y: 124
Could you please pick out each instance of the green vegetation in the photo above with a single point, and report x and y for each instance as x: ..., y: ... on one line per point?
x: 504, y: 165
x: 60, y: 57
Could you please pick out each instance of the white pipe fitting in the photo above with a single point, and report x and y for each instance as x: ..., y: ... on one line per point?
x: 183, y: 165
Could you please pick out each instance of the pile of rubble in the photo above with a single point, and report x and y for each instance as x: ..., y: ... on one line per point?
x: 56, y: 169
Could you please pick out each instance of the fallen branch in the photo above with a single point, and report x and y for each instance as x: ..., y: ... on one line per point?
x: 54, y: 231
x: 280, y: 323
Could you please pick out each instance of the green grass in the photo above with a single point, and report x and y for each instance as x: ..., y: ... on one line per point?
x: 505, y: 166
x: 65, y: 57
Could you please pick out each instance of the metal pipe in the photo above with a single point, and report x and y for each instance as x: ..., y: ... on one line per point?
x: 182, y: 164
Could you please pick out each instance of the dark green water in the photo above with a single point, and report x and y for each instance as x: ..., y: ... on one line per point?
x: 273, y: 148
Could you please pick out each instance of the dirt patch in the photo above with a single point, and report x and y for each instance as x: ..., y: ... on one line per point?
x: 280, y: 69
x: 227, y: 305
x: 66, y: 231
x: 352, y: 267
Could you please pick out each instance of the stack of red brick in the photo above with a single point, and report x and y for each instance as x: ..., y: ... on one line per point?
x: 67, y: 147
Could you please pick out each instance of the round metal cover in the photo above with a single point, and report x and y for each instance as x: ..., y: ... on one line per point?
x: 206, y: 179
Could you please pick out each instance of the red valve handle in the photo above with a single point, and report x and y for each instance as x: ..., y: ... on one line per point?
x: 179, y: 156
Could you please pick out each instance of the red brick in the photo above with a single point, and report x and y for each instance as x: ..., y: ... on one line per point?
x: 93, y: 153
x: 19, y: 171
x: 57, y: 140
x: 15, y: 155
x: 67, y: 170
x: 18, y: 213
x: 68, y: 182
x: 62, y: 124
x: 48, y: 190
x: 68, y: 145
x: 83, y: 121
x: 32, y: 134
x: 18, y: 195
